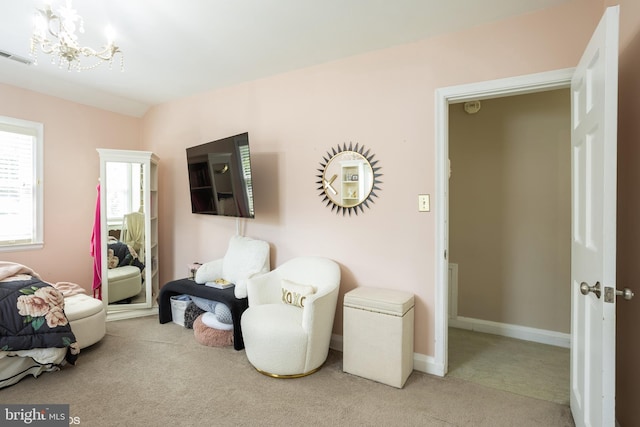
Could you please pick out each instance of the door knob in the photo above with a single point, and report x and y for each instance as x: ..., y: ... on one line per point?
x: 585, y: 289
x: 626, y: 293
x: 609, y: 293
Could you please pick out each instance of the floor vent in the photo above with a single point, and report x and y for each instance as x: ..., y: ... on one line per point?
x: 22, y: 60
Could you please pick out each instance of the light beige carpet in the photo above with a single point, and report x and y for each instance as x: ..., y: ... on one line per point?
x: 523, y: 367
x: 147, y: 374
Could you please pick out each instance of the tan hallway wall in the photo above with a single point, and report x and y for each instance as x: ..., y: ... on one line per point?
x: 510, y: 211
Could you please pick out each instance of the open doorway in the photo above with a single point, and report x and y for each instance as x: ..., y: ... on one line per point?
x: 532, y: 83
x: 510, y: 241
x: 594, y: 90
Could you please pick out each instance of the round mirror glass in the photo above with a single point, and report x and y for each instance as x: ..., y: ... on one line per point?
x: 348, y: 179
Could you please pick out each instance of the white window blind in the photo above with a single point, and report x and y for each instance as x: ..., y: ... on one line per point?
x: 20, y: 184
x: 246, y: 173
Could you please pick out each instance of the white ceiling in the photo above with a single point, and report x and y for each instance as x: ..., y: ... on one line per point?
x: 177, y: 48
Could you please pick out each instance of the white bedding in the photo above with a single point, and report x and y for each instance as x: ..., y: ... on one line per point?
x: 15, y: 365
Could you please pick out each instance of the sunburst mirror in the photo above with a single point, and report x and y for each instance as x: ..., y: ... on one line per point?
x: 348, y: 179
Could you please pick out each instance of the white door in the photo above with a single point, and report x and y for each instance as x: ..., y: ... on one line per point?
x: 594, y: 91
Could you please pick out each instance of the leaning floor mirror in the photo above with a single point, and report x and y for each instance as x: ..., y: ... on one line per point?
x: 128, y: 231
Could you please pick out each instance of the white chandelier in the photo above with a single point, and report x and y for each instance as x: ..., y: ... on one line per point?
x: 55, y: 35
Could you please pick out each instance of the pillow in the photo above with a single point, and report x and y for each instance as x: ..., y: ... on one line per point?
x: 191, y: 313
x: 210, y: 336
x: 205, y: 304
x: 210, y: 320
x: 295, y: 293
x: 223, y: 314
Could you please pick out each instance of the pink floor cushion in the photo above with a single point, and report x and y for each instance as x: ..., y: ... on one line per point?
x: 211, y: 337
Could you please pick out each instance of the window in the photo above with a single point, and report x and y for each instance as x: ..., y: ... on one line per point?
x: 21, y: 222
x: 123, y: 190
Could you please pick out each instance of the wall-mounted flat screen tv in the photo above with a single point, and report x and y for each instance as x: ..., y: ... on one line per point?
x: 220, y: 177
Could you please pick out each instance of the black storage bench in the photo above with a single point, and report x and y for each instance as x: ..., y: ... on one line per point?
x: 189, y: 287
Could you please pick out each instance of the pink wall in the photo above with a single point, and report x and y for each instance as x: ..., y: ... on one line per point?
x: 628, y: 251
x: 384, y: 100
x: 72, y: 132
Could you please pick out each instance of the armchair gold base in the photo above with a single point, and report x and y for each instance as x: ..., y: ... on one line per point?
x: 287, y: 377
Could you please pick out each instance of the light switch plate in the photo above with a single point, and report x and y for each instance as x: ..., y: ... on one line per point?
x: 423, y: 203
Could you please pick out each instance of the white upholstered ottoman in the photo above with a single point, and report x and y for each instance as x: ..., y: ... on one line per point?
x: 87, y: 317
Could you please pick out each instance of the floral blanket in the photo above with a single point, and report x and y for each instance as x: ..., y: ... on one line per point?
x: 32, y: 313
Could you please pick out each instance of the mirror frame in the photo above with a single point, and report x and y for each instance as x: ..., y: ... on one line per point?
x: 323, y: 183
x: 144, y: 159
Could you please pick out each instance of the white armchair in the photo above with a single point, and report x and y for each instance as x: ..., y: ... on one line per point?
x: 287, y: 327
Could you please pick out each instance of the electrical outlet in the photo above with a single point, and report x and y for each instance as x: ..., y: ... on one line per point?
x: 423, y: 203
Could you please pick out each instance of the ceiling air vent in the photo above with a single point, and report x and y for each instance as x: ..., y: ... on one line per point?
x: 8, y: 55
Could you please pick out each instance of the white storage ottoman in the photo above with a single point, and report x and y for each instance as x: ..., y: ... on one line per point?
x: 378, y: 335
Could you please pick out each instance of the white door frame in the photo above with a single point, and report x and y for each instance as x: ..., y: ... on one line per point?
x: 520, y: 85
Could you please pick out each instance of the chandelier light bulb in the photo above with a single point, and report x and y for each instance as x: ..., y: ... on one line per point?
x: 110, y: 33
x: 39, y: 25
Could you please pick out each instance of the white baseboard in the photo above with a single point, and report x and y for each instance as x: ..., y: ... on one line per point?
x: 336, y: 342
x: 427, y: 364
x: 542, y: 336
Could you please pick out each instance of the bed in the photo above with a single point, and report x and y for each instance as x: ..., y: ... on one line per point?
x: 35, y: 334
